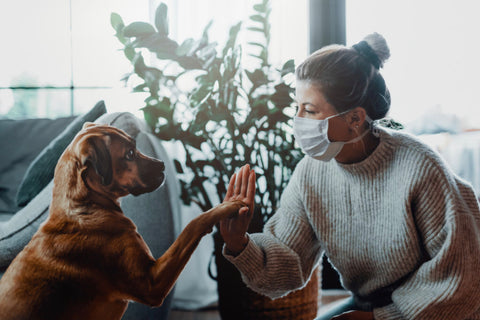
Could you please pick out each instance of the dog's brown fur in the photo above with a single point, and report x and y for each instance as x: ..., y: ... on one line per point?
x: 87, y: 260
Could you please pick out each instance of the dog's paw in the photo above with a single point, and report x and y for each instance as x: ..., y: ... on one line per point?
x: 222, y: 211
x: 227, y: 209
x: 207, y: 220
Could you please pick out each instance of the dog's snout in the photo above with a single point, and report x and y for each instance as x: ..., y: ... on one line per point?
x: 161, y: 165
x: 157, y: 165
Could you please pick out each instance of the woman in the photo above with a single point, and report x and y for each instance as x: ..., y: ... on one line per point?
x: 402, y: 230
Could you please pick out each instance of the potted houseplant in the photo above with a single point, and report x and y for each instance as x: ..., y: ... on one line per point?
x: 229, y: 117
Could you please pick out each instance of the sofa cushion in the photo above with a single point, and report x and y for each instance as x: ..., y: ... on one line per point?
x: 19, y: 229
x: 21, y: 141
x: 41, y: 170
x: 125, y: 121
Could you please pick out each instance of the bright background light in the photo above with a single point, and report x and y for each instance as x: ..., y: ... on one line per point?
x: 433, y: 69
x: 434, y: 66
x: 44, y: 47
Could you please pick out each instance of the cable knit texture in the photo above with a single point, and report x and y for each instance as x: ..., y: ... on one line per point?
x: 399, y: 213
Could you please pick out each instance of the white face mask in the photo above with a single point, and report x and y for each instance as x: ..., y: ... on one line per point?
x: 312, y: 137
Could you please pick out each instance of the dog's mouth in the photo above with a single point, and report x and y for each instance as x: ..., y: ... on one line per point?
x: 152, y: 178
x: 141, y: 189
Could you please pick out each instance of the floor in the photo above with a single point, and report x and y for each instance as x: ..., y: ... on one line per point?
x: 327, y: 299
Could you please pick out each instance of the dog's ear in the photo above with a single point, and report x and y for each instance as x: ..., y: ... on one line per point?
x: 87, y: 125
x: 98, y: 157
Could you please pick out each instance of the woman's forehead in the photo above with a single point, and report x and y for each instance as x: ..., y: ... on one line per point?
x: 308, y: 90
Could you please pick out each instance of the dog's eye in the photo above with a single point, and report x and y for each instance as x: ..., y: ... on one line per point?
x: 130, y: 155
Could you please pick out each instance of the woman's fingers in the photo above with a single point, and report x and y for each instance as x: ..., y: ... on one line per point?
x: 251, y: 186
x: 243, y: 210
x: 231, y: 186
x: 238, y: 182
x: 245, y: 181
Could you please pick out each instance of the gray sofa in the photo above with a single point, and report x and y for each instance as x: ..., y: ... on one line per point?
x: 156, y: 214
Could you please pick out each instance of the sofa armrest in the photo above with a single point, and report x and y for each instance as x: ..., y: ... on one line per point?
x: 16, y: 232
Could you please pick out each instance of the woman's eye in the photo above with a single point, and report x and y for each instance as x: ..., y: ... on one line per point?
x: 309, y: 111
x: 130, y: 155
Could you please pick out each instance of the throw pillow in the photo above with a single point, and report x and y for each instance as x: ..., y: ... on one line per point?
x: 21, y: 142
x: 41, y: 170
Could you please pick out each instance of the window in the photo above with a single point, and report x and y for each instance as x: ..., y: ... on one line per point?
x: 434, y: 66
x: 60, y: 57
x: 289, y: 20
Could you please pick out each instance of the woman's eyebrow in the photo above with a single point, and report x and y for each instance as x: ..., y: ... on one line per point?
x: 310, y: 103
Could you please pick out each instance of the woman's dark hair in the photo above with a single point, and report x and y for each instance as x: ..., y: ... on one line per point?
x: 349, y: 77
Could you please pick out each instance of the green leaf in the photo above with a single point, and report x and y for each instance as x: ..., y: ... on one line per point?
x: 259, y: 7
x: 256, y: 29
x: 140, y: 88
x: 281, y: 98
x: 262, y: 56
x: 185, y: 47
x: 201, y: 94
x: 150, y: 119
x: 288, y: 67
x: 204, y: 39
x: 117, y: 24
x: 232, y: 63
x: 161, y: 109
x: 161, y: 19
x: 189, y: 63
x: 277, y: 118
x: 258, y: 18
x: 127, y: 76
x: 129, y: 52
x: 208, y: 51
x: 261, y: 45
x: 191, y: 139
x: 161, y: 45
x: 196, y: 45
x: 258, y: 78
x: 139, y: 65
x: 138, y: 29
x: 198, y: 125
x: 232, y: 38
x: 166, y: 132
x: 116, y: 21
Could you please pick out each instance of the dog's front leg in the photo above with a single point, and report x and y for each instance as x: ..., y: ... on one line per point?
x: 168, y: 267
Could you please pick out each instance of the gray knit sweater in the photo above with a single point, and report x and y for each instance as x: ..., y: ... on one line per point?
x: 400, y: 213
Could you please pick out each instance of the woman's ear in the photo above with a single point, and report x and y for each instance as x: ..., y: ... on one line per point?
x: 357, y: 117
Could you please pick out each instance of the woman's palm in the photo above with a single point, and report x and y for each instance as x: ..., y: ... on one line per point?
x: 241, y: 187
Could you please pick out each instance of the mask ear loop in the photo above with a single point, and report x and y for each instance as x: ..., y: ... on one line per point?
x: 373, y: 126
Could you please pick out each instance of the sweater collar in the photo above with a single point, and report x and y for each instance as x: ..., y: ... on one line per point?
x: 374, y: 161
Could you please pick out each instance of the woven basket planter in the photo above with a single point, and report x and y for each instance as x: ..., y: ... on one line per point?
x: 236, y: 301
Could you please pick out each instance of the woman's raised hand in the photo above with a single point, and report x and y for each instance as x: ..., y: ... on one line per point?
x: 233, y: 230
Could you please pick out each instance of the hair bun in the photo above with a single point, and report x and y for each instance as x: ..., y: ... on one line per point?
x: 379, y: 45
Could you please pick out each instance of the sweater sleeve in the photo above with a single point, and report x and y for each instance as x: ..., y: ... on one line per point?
x: 446, y: 284
x: 282, y: 257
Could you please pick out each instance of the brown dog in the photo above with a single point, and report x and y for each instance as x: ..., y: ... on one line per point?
x: 87, y: 260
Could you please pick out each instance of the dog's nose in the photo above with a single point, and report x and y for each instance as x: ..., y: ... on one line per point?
x: 156, y: 163
x: 162, y: 165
